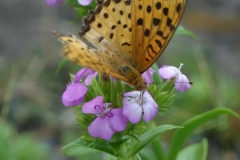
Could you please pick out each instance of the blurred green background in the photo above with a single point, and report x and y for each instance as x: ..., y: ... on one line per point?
x: 34, y: 123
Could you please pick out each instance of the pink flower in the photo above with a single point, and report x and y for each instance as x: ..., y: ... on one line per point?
x: 54, y: 2
x: 108, y: 120
x: 86, y: 73
x: 181, y: 81
x: 148, y: 76
x: 75, y: 92
x: 137, y: 104
x: 84, y: 2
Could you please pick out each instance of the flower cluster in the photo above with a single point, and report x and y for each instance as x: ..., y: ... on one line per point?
x: 110, y: 118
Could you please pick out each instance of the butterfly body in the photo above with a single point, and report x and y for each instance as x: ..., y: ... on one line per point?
x: 134, y: 77
x: 128, y: 36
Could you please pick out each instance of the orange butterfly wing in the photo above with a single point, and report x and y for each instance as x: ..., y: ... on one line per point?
x: 79, y: 53
x: 157, y: 21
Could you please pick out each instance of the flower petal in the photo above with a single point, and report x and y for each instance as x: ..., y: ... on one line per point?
x: 182, y: 83
x: 150, y: 107
x: 83, y: 73
x: 94, y: 106
x: 100, y: 128
x: 168, y: 72
x: 148, y: 76
x: 74, y: 94
x: 131, y: 109
x: 84, y: 2
x: 134, y: 94
x: 133, y: 112
x: 88, y: 80
x: 118, y: 120
x: 134, y: 108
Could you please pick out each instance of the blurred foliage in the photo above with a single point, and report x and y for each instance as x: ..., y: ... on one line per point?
x: 23, y: 146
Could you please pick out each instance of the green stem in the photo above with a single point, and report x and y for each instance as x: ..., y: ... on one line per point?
x: 131, y: 149
x: 122, y: 153
x: 156, y: 144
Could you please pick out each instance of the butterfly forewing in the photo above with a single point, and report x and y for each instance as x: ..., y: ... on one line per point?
x: 137, y: 30
x: 98, y: 33
x: 108, y: 29
x: 172, y: 11
x: 148, y: 25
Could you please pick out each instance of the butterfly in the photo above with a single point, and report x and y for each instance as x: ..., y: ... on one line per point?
x: 128, y: 37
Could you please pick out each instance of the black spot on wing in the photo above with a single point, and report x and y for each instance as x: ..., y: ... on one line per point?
x: 165, y: 11
x: 111, y: 35
x: 149, y: 9
x: 160, y: 33
x: 125, y: 44
x: 107, y: 3
x: 169, y: 21
x: 151, y: 48
x: 128, y: 2
x: 129, y: 15
x: 158, y: 43
x: 99, y: 25
x: 158, y: 5
x: 156, y: 21
x: 140, y: 21
x: 146, y: 32
x: 105, y: 15
x: 179, y: 7
x: 121, y: 12
x: 113, y: 27
x: 100, y: 39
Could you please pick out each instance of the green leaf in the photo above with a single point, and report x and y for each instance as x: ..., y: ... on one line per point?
x: 101, y: 146
x: 156, y: 144
x: 110, y: 157
x: 79, y: 150
x: 137, y: 157
x: 147, y: 154
x: 182, y: 31
x: 181, y: 135
x: 87, y: 147
x: 146, y: 138
x: 163, y: 95
x: 80, y: 147
x: 117, y: 145
x: 195, y: 151
x: 60, y: 65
